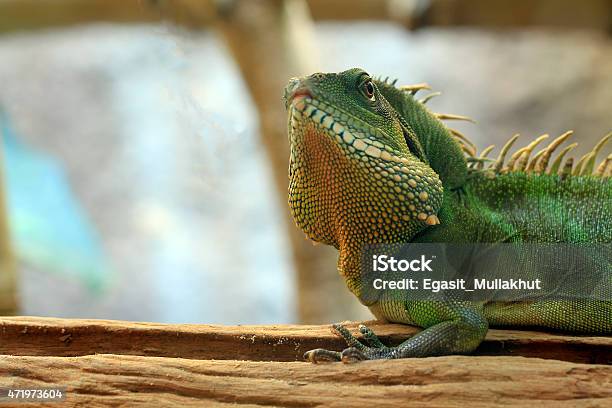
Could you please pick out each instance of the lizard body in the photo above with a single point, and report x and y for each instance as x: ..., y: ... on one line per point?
x: 370, y: 164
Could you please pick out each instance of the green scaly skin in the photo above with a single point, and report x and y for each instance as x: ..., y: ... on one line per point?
x: 371, y: 165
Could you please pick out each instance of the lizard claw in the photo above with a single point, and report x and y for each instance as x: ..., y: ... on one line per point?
x: 353, y: 355
x: 322, y: 356
x: 370, y: 348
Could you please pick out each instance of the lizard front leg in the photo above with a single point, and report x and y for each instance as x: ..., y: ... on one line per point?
x: 450, y: 328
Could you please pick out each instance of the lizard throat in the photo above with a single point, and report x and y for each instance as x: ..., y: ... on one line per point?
x: 347, y: 188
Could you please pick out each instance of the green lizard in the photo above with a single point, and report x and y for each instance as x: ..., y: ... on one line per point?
x: 371, y: 164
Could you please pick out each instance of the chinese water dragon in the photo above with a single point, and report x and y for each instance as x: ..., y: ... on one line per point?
x: 370, y: 163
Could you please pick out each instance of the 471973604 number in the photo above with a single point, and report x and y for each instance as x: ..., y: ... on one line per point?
x: 32, y: 394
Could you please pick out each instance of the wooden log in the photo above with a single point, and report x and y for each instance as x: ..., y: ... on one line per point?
x: 137, y: 368
x: 453, y: 381
x: 37, y: 336
x: 18, y: 15
x: 565, y: 14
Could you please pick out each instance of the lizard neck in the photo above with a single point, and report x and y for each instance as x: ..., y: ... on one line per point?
x: 443, y: 153
x: 357, y: 194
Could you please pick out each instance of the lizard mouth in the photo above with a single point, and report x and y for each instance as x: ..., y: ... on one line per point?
x: 295, y: 94
x: 300, y: 93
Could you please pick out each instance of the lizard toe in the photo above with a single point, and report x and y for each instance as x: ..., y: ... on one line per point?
x: 350, y: 340
x: 322, y: 356
x: 353, y: 355
x: 370, y: 337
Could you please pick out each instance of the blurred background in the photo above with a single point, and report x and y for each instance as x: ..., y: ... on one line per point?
x: 144, y: 152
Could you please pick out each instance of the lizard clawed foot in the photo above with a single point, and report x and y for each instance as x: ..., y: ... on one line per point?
x: 322, y: 356
x: 370, y: 349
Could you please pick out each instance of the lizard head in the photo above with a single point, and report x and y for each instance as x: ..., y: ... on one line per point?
x: 357, y: 173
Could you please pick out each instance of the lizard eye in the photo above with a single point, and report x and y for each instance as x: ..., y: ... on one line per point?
x: 368, y: 89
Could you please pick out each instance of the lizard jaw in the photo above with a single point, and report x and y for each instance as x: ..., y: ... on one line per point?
x: 392, y: 187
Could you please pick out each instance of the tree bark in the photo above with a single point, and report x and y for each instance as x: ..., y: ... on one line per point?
x: 38, y: 336
x: 146, y: 364
x: 455, y: 381
x: 18, y: 15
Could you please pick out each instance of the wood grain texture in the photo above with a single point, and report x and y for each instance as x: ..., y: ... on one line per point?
x: 125, y: 364
x: 37, y: 336
x: 454, y: 381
